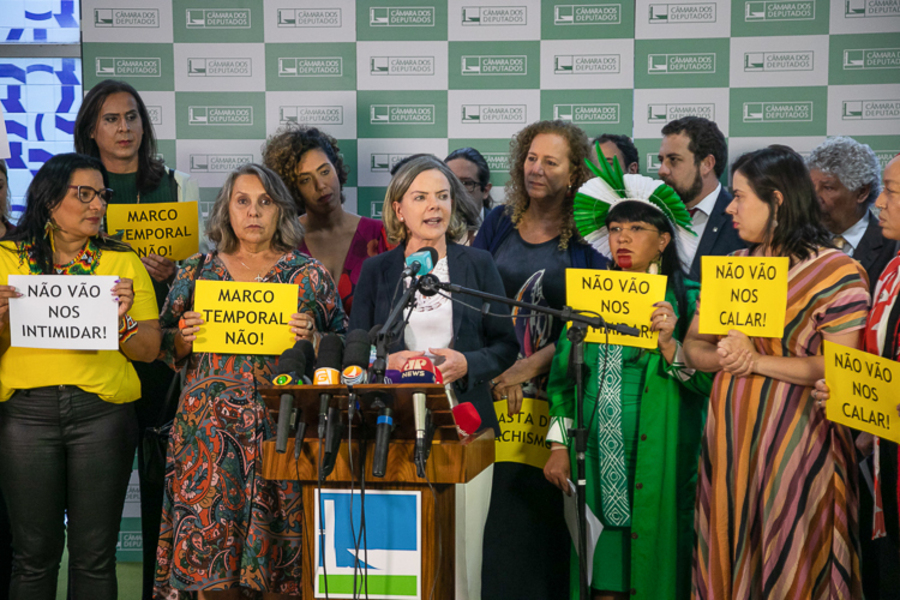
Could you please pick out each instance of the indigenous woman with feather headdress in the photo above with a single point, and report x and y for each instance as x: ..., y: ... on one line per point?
x: 644, y: 422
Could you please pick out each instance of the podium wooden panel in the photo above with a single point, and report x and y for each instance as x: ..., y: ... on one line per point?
x: 452, y: 461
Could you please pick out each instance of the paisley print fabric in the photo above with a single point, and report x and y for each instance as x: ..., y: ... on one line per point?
x: 223, y: 525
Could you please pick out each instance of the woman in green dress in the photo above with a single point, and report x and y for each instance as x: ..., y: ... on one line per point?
x: 649, y: 414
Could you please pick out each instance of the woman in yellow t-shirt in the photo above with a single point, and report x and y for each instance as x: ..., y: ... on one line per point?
x: 67, y: 439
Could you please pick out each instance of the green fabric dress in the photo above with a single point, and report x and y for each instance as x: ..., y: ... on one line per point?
x: 663, y: 410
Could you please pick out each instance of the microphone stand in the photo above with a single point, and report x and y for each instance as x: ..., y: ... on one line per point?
x: 429, y: 285
x: 385, y: 336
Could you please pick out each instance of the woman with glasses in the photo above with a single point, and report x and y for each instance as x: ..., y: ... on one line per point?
x: 309, y: 162
x: 67, y: 433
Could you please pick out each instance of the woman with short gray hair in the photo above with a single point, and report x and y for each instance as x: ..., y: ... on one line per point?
x: 224, y: 527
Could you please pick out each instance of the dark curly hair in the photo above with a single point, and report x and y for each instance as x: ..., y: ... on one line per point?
x: 151, y: 168
x: 283, y: 152
x: 517, y: 199
x: 706, y: 139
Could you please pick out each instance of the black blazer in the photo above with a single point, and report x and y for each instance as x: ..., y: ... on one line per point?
x: 874, y: 251
x: 719, y: 237
x: 488, y: 343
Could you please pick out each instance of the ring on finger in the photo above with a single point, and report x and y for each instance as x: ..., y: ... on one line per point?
x: 504, y: 397
x: 309, y: 325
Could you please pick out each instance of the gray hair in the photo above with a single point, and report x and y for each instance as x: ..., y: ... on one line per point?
x: 288, y: 230
x: 854, y: 164
x: 399, y: 185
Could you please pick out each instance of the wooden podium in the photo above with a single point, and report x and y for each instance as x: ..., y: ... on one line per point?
x: 453, y: 460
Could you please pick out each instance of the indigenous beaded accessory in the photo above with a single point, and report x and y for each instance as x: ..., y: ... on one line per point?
x: 597, y: 196
x: 84, y: 263
x: 127, y: 328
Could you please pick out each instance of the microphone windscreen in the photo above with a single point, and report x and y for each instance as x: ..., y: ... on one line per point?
x: 434, y: 258
x: 373, y: 334
x: 356, y: 352
x: 331, y: 350
x: 418, y: 369
x: 467, y: 418
x: 291, y: 361
x: 309, y: 355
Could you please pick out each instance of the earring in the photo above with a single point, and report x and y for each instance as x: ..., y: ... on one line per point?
x: 655, y: 265
x: 49, y: 228
x: 401, y: 219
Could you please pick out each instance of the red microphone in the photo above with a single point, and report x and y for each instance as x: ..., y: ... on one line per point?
x: 420, y: 369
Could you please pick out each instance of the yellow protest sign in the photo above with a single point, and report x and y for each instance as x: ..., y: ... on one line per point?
x: 745, y: 293
x: 169, y: 229
x: 618, y: 297
x: 523, y: 436
x: 245, y: 318
x: 864, y: 391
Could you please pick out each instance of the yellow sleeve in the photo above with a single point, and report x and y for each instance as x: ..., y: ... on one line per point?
x: 127, y: 264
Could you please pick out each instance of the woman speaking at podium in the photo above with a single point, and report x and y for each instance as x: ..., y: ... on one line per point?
x: 67, y: 430
x: 644, y: 425
x: 468, y: 347
x: 224, y: 527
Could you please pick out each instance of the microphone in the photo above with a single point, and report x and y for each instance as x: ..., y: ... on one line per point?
x: 291, y: 365
x: 465, y: 415
x: 334, y: 433
x: 309, y: 354
x: 384, y: 426
x: 356, y: 358
x: 327, y: 373
x: 419, y: 370
x: 421, y: 262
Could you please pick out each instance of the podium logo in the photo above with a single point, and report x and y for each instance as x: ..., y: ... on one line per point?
x: 218, y: 163
x: 684, y: 63
x: 495, y: 64
x: 588, y: 114
x: 663, y: 113
x: 777, y: 112
x: 155, y: 113
x: 391, y: 567
x: 312, y: 115
x: 130, y: 540
x: 135, y: 17
x: 220, y: 115
x: 308, y: 17
x: 870, y: 110
x: 220, y: 67
x: 653, y: 163
x: 586, y: 64
x: 128, y: 67
x: 871, y: 8
x: 779, y: 10
x: 325, y: 66
x: 683, y: 12
x: 494, y: 113
x: 871, y: 58
x: 401, y: 114
x: 401, y: 16
x: 587, y: 14
x: 218, y: 18
x: 382, y: 163
x: 771, y: 62
x: 401, y: 65
x: 494, y: 15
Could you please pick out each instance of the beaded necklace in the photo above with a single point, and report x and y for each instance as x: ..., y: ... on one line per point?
x: 84, y: 263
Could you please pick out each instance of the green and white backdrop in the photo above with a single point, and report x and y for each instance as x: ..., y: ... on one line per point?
x: 389, y: 78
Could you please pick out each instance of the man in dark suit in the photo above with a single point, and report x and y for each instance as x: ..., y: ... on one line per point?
x: 847, y: 177
x: 692, y: 158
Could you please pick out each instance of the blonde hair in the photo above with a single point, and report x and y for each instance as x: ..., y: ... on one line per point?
x: 517, y: 199
x: 400, y: 182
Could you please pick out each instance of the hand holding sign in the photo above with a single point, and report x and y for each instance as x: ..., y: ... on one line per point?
x: 6, y: 292
x: 303, y: 326
x: 160, y: 268
x: 123, y: 292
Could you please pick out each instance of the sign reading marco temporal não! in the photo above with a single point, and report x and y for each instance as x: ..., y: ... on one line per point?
x: 169, y: 229
x: 64, y: 312
x: 245, y: 318
x: 864, y: 391
x: 745, y: 293
x: 619, y: 297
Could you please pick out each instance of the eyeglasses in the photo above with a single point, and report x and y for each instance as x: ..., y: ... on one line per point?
x: 87, y: 194
x: 470, y: 185
x: 634, y: 230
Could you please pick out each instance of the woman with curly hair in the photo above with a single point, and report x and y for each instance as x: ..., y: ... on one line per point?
x: 533, y: 240
x: 309, y: 162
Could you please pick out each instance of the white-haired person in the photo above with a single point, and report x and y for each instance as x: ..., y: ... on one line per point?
x: 226, y: 530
